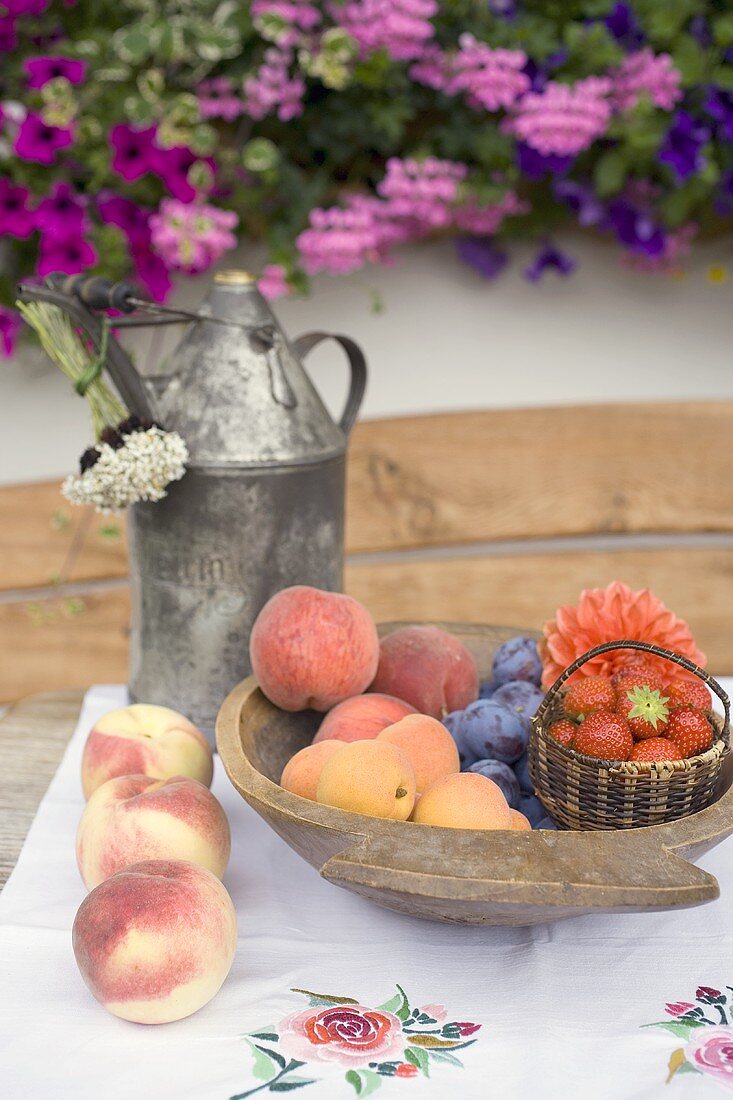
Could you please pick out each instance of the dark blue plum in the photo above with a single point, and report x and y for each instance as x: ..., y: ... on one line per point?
x: 502, y: 775
x: 518, y: 659
x: 521, y: 770
x: 546, y: 823
x: 532, y: 808
x: 450, y: 721
x: 488, y: 731
x: 521, y: 697
x: 487, y: 689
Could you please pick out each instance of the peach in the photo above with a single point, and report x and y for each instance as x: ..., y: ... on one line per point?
x: 427, y: 745
x: 133, y: 818
x: 369, y: 777
x: 520, y: 823
x: 427, y: 667
x: 302, y: 771
x: 143, y: 739
x: 310, y: 648
x: 155, y: 942
x: 464, y: 801
x: 362, y: 717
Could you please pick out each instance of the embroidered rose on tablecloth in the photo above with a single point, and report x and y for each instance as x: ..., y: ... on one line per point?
x: 392, y: 1040
x: 706, y: 1026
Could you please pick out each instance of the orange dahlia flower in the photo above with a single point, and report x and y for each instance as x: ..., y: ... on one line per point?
x: 609, y: 614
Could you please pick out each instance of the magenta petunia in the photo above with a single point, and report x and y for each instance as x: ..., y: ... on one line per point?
x: 133, y: 151
x: 25, y: 7
x: 61, y: 213
x: 132, y: 219
x: 9, y: 329
x: 8, y: 34
x: 17, y: 219
x: 172, y: 166
x: 152, y: 273
x: 71, y: 255
x: 41, y: 70
x: 38, y: 142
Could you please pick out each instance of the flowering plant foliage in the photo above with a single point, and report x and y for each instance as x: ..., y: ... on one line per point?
x: 139, y: 136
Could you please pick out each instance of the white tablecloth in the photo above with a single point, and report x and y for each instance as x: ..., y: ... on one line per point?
x: 562, y: 1008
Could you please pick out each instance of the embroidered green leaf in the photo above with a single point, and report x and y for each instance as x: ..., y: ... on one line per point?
x: 325, y: 998
x: 398, y: 1005
x: 687, y: 1067
x: 418, y: 1058
x: 273, y: 1054
x: 363, y: 1081
x: 444, y: 1056
x: 266, y: 1036
x: 679, y: 1028
x: 263, y: 1066
x: 286, y: 1085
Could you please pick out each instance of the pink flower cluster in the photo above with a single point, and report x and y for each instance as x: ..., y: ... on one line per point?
x: 644, y: 71
x: 272, y: 283
x: 489, y: 79
x: 483, y: 220
x: 401, y: 27
x: 423, y: 192
x: 562, y: 119
x: 273, y: 89
x: 297, y: 19
x: 218, y: 98
x: 192, y: 236
x: 340, y: 240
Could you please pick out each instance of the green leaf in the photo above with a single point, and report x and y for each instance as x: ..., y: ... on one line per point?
x: 133, y: 43
x: 266, y: 1036
x: 274, y: 1055
x: 263, y: 1067
x: 682, y: 1029
x: 690, y: 58
x: 363, y: 1081
x: 290, y: 1083
x: 687, y: 1067
x: 723, y: 77
x: 723, y: 30
x: 610, y: 173
x: 444, y: 1056
x: 398, y: 1005
x: 418, y: 1058
x: 325, y: 998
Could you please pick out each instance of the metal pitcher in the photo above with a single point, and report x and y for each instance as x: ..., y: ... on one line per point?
x: 261, y: 505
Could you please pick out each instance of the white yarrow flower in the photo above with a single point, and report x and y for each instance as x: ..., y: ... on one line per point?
x: 140, y: 470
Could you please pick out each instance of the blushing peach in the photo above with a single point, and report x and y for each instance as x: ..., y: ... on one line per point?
x: 302, y: 771
x: 369, y: 777
x: 143, y: 739
x: 520, y: 823
x: 427, y: 745
x: 362, y: 717
x: 464, y: 801
x: 134, y: 818
x: 310, y: 648
x: 427, y: 667
x: 155, y: 942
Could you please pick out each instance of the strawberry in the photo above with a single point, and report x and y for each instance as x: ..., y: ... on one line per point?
x: 656, y: 748
x: 563, y: 731
x: 690, y: 731
x: 638, y: 676
x: 589, y: 695
x: 606, y: 736
x: 645, y: 710
x: 689, y: 693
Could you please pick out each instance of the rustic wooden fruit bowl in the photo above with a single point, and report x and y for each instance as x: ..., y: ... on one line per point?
x: 465, y: 875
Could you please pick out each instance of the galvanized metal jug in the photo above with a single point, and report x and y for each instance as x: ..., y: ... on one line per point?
x: 261, y: 505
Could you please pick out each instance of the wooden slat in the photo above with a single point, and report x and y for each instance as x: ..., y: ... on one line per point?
x: 535, y: 473
x: 56, y: 644
x: 44, y: 539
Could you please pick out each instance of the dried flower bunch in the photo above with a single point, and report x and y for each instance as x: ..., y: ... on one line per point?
x: 149, y: 133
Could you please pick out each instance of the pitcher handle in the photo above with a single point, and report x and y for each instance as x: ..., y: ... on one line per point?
x: 357, y: 362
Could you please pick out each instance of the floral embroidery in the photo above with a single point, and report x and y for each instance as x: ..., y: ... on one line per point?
x: 706, y: 1026
x: 392, y: 1040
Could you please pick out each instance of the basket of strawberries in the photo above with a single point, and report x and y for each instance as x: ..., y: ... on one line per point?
x: 632, y: 749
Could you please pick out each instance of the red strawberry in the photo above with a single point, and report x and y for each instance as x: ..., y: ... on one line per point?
x: 563, y: 731
x: 645, y: 710
x: 606, y: 736
x: 689, y: 693
x: 589, y: 695
x: 656, y: 748
x: 638, y: 676
x: 690, y: 731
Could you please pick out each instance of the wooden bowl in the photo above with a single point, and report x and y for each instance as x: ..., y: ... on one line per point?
x: 465, y: 875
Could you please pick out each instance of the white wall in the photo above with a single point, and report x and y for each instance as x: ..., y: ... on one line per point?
x: 448, y: 340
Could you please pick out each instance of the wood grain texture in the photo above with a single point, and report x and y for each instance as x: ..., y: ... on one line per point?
x: 33, y: 736
x: 536, y: 473
x: 44, y: 539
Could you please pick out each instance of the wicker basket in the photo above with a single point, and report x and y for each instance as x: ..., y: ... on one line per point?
x: 582, y: 792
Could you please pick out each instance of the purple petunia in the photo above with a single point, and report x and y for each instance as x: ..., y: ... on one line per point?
x: 636, y: 228
x: 41, y: 70
x: 581, y: 199
x: 38, y: 142
x: 16, y: 217
x: 622, y: 24
x: 536, y: 165
x: 61, y: 214
x: 482, y: 255
x: 9, y: 328
x: 719, y: 106
x: 549, y: 258
x: 682, y: 146
x: 133, y: 151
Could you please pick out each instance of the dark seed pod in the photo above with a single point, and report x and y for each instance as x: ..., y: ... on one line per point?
x: 131, y: 424
x: 88, y: 459
x: 112, y: 438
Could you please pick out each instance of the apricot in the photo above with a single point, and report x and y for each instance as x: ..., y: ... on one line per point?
x: 464, y: 801
x: 427, y: 667
x: 369, y: 777
x: 310, y: 648
x: 362, y: 717
x: 427, y: 745
x: 519, y: 822
x: 302, y: 771
x: 155, y: 942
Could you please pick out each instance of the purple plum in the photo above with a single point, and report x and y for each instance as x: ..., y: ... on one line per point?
x: 486, y: 730
x: 521, y: 697
x: 518, y: 659
x: 502, y: 775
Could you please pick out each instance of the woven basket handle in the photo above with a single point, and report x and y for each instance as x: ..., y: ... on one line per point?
x: 645, y: 647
